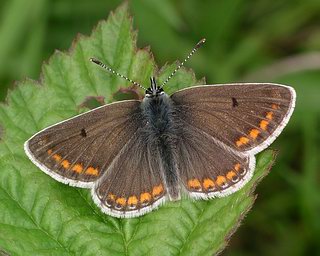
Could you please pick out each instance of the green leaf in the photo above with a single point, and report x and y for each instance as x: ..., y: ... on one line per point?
x: 40, y: 216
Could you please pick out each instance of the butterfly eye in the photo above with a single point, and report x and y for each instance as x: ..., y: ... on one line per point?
x: 160, y: 91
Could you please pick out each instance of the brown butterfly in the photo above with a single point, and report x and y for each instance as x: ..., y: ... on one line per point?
x: 134, y: 155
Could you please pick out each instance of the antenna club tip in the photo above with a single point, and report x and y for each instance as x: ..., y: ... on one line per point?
x: 201, y: 42
x: 94, y: 60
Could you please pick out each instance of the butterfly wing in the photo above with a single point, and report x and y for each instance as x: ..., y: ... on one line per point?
x: 246, y: 117
x: 79, y: 150
x: 223, y: 126
x: 133, y: 185
x: 208, y: 168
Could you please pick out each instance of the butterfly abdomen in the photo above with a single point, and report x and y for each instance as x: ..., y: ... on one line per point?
x: 162, y: 133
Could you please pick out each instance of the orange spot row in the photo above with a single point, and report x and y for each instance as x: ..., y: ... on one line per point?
x: 76, y: 168
x: 230, y: 175
x: 65, y: 164
x: 92, y: 171
x: 275, y: 106
x: 221, y: 180
x: 254, y: 133
x: 242, y: 141
x: 157, y: 190
x: 121, y: 200
x: 194, y: 183
x: 145, y: 197
x: 264, y: 124
x: 209, y: 184
x: 132, y: 201
x: 269, y: 115
x: 57, y: 157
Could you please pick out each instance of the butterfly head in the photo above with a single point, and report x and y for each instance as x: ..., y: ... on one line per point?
x: 154, y: 90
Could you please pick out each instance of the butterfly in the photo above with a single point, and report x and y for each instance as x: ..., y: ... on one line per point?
x: 135, y: 155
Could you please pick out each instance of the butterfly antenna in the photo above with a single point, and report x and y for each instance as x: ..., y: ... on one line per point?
x: 198, y: 45
x: 99, y: 63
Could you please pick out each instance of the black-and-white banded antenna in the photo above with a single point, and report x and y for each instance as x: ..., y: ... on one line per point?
x: 104, y: 66
x: 198, y: 45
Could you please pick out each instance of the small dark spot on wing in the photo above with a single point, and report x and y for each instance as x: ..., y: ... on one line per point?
x: 83, y: 133
x: 234, y: 102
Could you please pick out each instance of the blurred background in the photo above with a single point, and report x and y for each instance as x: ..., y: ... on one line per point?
x: 270, y: 41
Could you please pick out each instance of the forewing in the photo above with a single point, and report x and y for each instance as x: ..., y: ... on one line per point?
x: 245, y: 117
x: 79, y: 150
x: 208, y: 168
x: 133, y: 185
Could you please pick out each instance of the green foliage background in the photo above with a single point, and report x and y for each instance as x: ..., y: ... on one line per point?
x: 274, y: 41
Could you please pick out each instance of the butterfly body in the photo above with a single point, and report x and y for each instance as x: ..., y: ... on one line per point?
x: 162, y: 134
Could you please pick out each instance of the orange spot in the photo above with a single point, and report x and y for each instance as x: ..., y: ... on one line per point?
x: 65, y: 164
x: 264, y: 124
x: 194, y: 183
x: 132, y: 200
x: 157, y: 190
x: 237, y: 167
x: 56, y: 157
x: 254, y: 133
x: 49, y: 151
x: 77, y: 168
x: 242, y: 141
x: 144, y: 197
x: 220, y: 180
x: 208, y: 183
x: 92, y: 171
x: 231, y: 174
x: 275, y: 106
x: 121, y: 200
x: 111, y: 197
x: 269, y: 115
